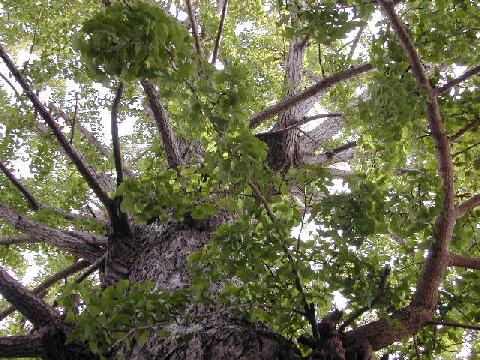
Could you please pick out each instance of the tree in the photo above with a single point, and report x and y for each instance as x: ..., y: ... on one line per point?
x: 188, y: 232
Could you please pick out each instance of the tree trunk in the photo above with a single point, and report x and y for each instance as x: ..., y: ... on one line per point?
x: 161, y: 256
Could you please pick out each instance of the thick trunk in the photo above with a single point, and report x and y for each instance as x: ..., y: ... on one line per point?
x: 161, y: 256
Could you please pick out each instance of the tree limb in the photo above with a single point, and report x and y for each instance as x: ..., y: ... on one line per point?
x: 88, y: 173
x: 467, y: 74
x: 193, y: 23
x: 163, y: 125
x: 21, y: 346
x: 468, y: 205
x: 470, y: 126
x: 95, y: 266
x: 382, y: 286
x: 454, y: 324
x: 464, y: 261
x: 36, y: 204
x: 47, y: 283
x: 79, y: 243
x: 220, y: 31
x: 308, y: 92
x: 117, y: 155
x: 30, y: 305
x: 17, y: 240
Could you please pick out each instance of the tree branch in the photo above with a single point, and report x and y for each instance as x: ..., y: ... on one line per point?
x: 454, y: 324
x: 220, y: 31
x: 34, y: 203
x: 163, y: 124
x: 17, y: 240
x: 309, y: 309
x: 88, y: 173
x: 21, y: 346
x: 382, y: 286
x: 468, y: 205
x: 467, y: 74
x: 95, y: 266
x: 30, y: 305
x: 470, y: 126
x: 464, y: 261
x: 79, y: 243
x: 117, y: 155
x: 49, y: 282
x: 308, y: 92
x: 193, y: 23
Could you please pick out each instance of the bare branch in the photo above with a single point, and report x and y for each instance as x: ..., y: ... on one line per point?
x: 193, y: 22
x: 117, y: 155
x: 454, y: 82
x: 308, y: 92
x: 220, y: 31
x: 464, y: 261
x: 454, y: 324
x: 470, y: 126
x: 163, y: 124
x: 468, y: 205
x: 80, y: 243
x: 34, y: 203
x: 313, y: 139
x: 88, y: 173
x: 30, y: 305
x: 21, y: 346
x: 49, y: 282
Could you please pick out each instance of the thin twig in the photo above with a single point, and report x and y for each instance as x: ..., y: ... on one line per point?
x: 454, y: 324
x: 470, y: 126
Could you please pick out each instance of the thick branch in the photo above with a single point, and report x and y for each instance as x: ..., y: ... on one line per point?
x: 464, y: 261
x: 117, y: 155
x: 468, y: 205
x: 163, y: 124
x: 77, y: 242
x: 17, y: 240
x: 49, y: 282
x: 31, y: 306
x: 308, y: 92
x: 193, y: 23
x: 313, y: 139
x: 220, y: 31
x: 21, y: 346
x: 89, y: 175
x: 454, y: 82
